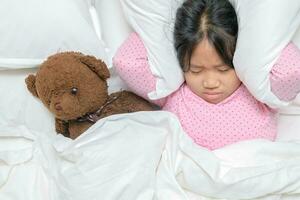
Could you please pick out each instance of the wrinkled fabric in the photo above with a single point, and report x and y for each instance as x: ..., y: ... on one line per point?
x: 144, y: 155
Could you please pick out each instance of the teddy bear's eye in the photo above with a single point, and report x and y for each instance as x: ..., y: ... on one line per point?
x: 74, y: 90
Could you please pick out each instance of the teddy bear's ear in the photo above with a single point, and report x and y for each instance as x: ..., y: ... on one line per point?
x: 98, y: 66
x: 30, y: 82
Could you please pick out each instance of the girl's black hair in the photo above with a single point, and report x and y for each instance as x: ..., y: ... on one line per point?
x: 214, y: 20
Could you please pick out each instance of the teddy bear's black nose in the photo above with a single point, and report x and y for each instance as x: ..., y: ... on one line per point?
x: 57, y: 106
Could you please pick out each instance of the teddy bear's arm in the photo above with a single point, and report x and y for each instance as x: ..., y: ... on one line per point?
x: 61, y: 127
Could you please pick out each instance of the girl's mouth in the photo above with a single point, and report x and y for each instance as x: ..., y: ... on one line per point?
x: 212, y: 96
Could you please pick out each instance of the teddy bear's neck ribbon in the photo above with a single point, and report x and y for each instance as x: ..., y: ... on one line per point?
x: 95, y: 116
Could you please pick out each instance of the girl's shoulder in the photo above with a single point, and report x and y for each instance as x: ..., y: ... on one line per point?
x: 250, y: 102
x: 175, y: 99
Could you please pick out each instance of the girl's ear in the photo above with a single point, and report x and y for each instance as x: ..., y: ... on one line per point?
x: 96, y: 65
x: 30, y: 82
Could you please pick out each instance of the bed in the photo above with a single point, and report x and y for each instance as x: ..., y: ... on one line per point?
x: 136, y: 156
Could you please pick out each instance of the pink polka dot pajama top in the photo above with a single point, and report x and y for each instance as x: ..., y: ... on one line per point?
x: 238, y: 117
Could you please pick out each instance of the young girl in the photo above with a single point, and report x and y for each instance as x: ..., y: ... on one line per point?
x: 215, y: 109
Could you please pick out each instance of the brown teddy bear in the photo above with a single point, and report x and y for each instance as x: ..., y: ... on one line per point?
x: 73, y: 87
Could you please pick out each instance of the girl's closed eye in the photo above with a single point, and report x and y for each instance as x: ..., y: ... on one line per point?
x: 195, y: 70
x: 223, y: 69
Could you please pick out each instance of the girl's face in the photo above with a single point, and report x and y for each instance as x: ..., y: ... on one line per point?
x: 208, y: 76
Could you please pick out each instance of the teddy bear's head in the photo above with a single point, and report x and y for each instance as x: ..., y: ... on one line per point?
x: 70, y: 84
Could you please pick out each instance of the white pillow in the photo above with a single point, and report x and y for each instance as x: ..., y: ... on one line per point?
x: 114, y: 27
x: 265, y: 28
x: 32, y: 30
x: 154, y: 20
x: 273, y: 22
x: 19, y: 106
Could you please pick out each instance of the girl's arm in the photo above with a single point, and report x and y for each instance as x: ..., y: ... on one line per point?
x: 285, y: 74
x: 132, y: 65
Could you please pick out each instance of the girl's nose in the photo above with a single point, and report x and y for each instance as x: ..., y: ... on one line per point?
x: 211, y: 83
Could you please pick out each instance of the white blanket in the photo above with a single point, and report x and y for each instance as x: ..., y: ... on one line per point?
x: 142, y: 156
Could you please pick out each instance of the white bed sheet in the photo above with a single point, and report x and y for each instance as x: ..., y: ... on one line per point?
x: 143, y: 155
